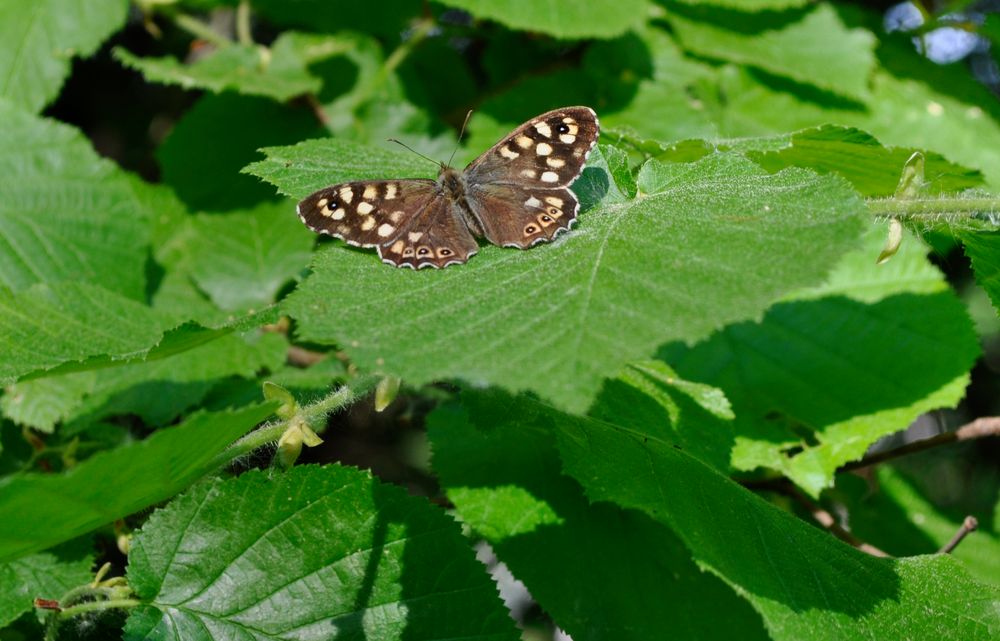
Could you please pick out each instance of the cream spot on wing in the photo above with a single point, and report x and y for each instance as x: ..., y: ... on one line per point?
x: 414, y: 236
x: 555, y: 162
x: 508, y: 153
x: 573, y: 130
x: 365, y: 208
x: 550, y: 177
x: 370, y: 192
x: 524, y: 142
x: 553, y: 200
x: 397, y: 247
x: 396, y: 216
x: 528, y: 173
x: 568, y: 120
x: 532, y: 202
x: 544, y: 129
x: 577, y: 153
x: 347, y: 194
x: 567, y: 138
x: 385, y: 229
x: 543, y: 149
x: 368, y: 223
x: 343, y: 229
x: 322, y: 202
x: 390, y: 191
x: 338, y: 213
x: 326, y: 212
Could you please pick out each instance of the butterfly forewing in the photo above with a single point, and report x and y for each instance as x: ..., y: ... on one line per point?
x: 366, y: 213
x: 546, y: 152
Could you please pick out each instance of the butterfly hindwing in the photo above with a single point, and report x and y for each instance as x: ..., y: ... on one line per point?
x: 546, y: 152
x: 517, y: 216
x: 366, y: 213
x: 436, y: 237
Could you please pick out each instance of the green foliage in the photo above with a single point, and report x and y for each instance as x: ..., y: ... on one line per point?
x: 644, y: 421
x: 38, y: 39
x: 318, y: 551
x: 40, y: 510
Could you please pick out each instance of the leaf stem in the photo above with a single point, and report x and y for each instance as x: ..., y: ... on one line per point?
x: 199, y: 29
x: 970, y: 524
x: 979, y: 428
x: 270, y: 433
x: 243, y: 33
x: 93, y: 606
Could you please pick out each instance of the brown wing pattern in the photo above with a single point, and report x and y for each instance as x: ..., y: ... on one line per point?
x: 366, y: 213
x: 436, y: 237
x: 547, y: 152
x: 516, y: 216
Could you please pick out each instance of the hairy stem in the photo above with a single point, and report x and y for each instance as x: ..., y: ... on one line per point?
x: 312, y: 413
x: 94, y: 606
x: 930, y: 209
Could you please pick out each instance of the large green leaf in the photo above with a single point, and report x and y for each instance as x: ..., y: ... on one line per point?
x: 815, y: 48
x: 46, y: 574
x: 242, y: 259
x: 66, y: 214
x: 280, y: 72
x: 638, y: 581
x: 317, y: 553
x: 40, y: 510
x: 804, y: 583
x: 560, y: 18
x: 39, y: 38
x: 674, y: 263
x: 821, y: 378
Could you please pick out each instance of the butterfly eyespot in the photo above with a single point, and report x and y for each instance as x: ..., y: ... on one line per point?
x: 562, y: 128
x: 546, y: 219
x: 423, y: 251
x: 530, y: 229
x: 553, y: 211
x: 445, y: 252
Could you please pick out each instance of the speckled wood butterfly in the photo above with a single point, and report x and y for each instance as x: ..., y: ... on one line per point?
x: 515, y: 195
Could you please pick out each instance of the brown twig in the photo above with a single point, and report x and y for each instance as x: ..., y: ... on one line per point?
x: 301, y: 357
x: 968, y: 525
x: 827, y: 520
x: 979, y: 428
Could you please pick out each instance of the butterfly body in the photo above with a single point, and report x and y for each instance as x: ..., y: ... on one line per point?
x: 516, y: 194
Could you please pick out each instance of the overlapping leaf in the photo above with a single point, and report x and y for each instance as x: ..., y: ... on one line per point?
x: 506, y: 485
x: 317, y: 553
x: 279, y: 72
x: 44, y: 575
x: 984, y: 251
x: 39, y: 510
x: 806, y: 399
x: 673, y: 264
x: 38, y: 39
x: 804, y: 583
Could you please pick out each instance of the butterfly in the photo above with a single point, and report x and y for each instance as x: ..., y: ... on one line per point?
x: 516, y: 194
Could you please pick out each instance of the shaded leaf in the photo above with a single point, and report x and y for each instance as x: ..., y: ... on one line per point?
x: 506, y: 485
x: 47, y: 574
x: 40, y: 510
x: 320, y: 552
x: 984, y: 251
x: 38, y: 40
x: 559, y: 18
x: 629, y: 271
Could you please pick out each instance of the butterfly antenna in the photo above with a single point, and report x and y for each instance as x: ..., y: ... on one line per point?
x: 461, y: 134
x: 406, y: 146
